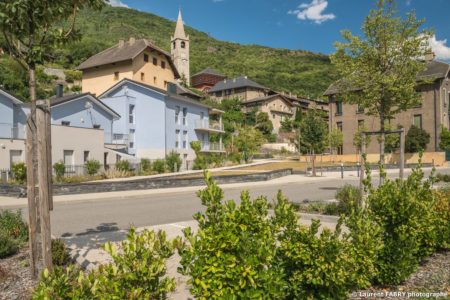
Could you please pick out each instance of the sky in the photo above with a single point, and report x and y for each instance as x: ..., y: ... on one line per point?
x: 294, y: 24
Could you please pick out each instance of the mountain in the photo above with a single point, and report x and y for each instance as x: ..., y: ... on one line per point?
x: 300, y: 72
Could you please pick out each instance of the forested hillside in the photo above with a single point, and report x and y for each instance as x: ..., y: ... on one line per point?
x: 301, y: 72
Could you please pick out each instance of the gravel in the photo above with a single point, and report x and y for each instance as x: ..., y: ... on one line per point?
x: 15, y: 277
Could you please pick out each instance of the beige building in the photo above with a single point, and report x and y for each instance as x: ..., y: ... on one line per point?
x: 432, y: 115
x: 139, y: 60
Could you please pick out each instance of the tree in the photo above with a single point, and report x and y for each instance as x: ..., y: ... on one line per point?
x: 32, y: 30
x: 264, y: 124
x: 248, y: 141
x: 287, y: 125
x: 357, y: 138
x: 314, y: 134
x: 416, y: 140
x: 335, y: 139
x: 379, y: 72
x: 445, y: 139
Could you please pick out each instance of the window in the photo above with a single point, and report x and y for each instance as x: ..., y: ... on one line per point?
x: 116, y: 75
x: 142, y: 76
x: 360, y: 123
x: 146, y: 57
x: 85, y: 156
x: 359, y: 110
x: 131, y: 114
x: 339, y: 108
x: 184, y: 116
x: 177, y: 115
x: 227, y: 92
x: 155, y: 80
x: 163, y: 64
x: 177, y: 139
x: 165, y: 83
x: 97, y: 126
x: 218, y: 94
x: 68, y: 157
x: 417, y: 121
x: 155, y: 61
x: 65, y: 123
x: 185, y: 139
x: 339, y: 125
x: 183, y: 44
x: 202, y: 115
x: 174, y: 45
x: 15, y: 156
x: 132, y: 131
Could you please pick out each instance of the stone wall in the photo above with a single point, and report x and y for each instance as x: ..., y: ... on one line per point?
x: 145, y: 184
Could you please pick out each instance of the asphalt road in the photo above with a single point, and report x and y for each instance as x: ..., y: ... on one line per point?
x: 78, y: 218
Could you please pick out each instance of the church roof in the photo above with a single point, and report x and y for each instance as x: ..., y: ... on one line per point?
x: 179, y: 29
x: 238, y: 82
x: 124, y: 51
x: 210, y: 71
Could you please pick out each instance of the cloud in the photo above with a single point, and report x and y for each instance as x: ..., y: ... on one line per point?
x: 313, y: 11
x: 117, y: 3
x: 440, y: 48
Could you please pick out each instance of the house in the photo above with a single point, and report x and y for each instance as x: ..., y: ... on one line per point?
x: 13, y: 119
x: 240, y: 87
x: 155, y: 122
x: 138, y: 60
x: 206, y: 79
x: 431, y: 115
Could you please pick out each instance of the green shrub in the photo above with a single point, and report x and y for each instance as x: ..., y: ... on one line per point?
x: 327, y: 265
x: 416, y: 140
x: 19, y: 172
x: 92, y: 167
x: 159, y: 166
x: 60, y: 170
x: 443, y: 217
x: 8, y: 246
x: 442, y: 177
x: 233, y: 254
x: 123, y: 166
x: 330, y: 209
x: 12, y: 224
x: 138, y: 271
x: 405, y: 211
x: 72, y: 75
x: 348, y: 197
x: 173, y: 161
x: 235, y: 157
x: 60, y: 253
x: 146, y: 165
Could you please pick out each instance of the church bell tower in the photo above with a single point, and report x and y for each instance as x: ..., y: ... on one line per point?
x: 180, y: 51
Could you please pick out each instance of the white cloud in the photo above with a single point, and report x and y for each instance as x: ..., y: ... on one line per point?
x: 313, y: 11
x: 440, y: 48
x: 117, y: 3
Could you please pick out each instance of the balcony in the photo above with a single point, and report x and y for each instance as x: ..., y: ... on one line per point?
x: 120, y: 139
x: 205, y: 125
x: 213, y: 147
x: 8, y: 131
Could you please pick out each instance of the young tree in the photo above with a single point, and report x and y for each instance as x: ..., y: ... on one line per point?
x: 335, y: 139
x: 32, y: 30
x: 314, y: 134
x: 379, y: 72
x: 357, y: 138
x: 248, y: 141
x: 264, y: 124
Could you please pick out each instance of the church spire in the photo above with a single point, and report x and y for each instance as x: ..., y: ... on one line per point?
x: 179, y: 30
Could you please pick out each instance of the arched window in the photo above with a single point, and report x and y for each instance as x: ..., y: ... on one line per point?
x: 174, y: 45
x: 183, y: 44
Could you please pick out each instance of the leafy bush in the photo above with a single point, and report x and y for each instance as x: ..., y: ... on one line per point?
x: 159, y: 166
x: 404, y: 209
x: 92, y: 167
x: 320, y: 208
x: 72, y: 75
x: 60, y: 170
x: 146, y: 165
x: 19, y: 172
x: 348, y: 197
x: 416, y: 140
x: 8, y: 246
x: 138, y: 271
x: 123, y: 165
x: 113, y: 173
x: 443, y: 177
x: 173, y: 161
x: 233, y: 254
x: 444, y: 138
x: 12, y: 224
x: 60, y: 253
x: 443, y: 217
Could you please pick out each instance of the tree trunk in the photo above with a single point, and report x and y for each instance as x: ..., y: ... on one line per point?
x: 382, y: 145
x: 313, y: 160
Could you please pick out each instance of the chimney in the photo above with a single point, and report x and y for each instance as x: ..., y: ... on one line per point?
x: 132, y: 40
x: 59, y: 90
x: 430, y: 56
x: 121, y: 43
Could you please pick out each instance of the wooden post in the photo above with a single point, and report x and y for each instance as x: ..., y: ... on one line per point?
x: 44, y: 185
x: 402, y: 153
x: 31, y: 194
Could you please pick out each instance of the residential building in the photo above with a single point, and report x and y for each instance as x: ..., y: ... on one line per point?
x: 156, y: 121
x: 240, y: 87
x: 431, y: 115
x: 138, y: 60
x: 180, y: 51
x: 206, y: 79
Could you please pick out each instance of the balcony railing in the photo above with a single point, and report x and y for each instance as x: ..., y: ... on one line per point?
x: 8, y: 131
x: 210, y: 126
x: 120, y: 139
x: 212, y: 147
